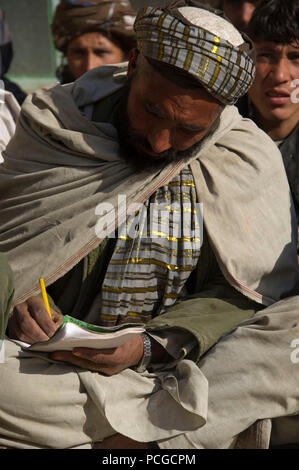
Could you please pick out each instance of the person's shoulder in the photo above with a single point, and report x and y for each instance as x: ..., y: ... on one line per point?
x: 294, y: 136
x: 15, y: 89
x: 53, y: 96
x: 289, y: 147
x: 245, y: 133
x: 246, y: 142
x: 9, y: 102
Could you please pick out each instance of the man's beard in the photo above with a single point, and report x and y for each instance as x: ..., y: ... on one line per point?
x: 142, y: 160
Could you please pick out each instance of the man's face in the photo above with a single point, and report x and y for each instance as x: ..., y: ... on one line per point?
x: 272, y: 92
x: 239, y: 12
x: 165, y: 121
x: 89, y: 51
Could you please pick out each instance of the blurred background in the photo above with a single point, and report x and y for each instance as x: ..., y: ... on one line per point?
x: 35, y: 58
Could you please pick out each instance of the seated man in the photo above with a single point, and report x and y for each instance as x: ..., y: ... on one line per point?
x: 100, y: 196
x: 273, y: 101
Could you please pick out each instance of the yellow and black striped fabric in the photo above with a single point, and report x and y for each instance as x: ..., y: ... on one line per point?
x: 157, y: 249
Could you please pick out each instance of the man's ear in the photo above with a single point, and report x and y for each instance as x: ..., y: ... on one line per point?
x: 134, y: 53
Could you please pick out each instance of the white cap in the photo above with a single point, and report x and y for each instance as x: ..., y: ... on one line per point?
x: 214, y: 24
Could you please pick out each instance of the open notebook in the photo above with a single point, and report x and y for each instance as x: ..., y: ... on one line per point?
x: 76, y: 333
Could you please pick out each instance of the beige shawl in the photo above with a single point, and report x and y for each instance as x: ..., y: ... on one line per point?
x: 60, y: 165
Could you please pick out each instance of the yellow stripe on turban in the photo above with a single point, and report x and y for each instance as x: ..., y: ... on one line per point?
x: 226, y: 71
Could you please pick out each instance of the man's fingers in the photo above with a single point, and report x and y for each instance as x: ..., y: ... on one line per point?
x: 26, y: 328
x: 68, y: 356
x: 31, y: 322
x: 126, y: 355
x: 15, y: 332
x: 107, y: 361
x: 39, y: 312
x: 99, y: 356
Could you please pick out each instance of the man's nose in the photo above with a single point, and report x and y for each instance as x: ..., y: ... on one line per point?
x: 92, y: 61
x: 281, y: 71
x: 159, y: 140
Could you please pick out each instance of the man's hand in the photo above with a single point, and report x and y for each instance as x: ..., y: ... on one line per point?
x: 30, y: 321
x: 106, y: 361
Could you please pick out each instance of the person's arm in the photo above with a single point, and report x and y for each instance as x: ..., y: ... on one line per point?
x: 71, y: 294
x: 195, y: 324
x: 210, y: 309
x: 186, y: 330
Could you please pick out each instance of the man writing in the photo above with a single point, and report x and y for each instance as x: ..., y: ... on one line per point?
x: 175, y: 124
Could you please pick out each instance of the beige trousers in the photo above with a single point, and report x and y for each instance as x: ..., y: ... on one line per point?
x: 252, y: 396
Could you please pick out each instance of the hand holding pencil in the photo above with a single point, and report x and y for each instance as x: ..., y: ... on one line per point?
x: 34, y: 320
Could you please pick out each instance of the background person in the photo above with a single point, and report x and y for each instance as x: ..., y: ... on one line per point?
x: 272, y: 101
x: 6, y: 56
x: 9, y: 107
x: 239, y: 12
x: 91, y: 34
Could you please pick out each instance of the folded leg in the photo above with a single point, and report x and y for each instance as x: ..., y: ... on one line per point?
x: 251, y: 378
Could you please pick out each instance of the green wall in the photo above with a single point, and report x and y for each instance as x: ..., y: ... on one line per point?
x: 35, y: 58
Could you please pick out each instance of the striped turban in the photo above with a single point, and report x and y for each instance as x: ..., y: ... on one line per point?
x: 73, y: 18
x: 200, y: 43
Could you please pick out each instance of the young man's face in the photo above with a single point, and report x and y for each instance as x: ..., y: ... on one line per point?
x: 89, y: 51
x: 164, y: 120
x: 272, y: 93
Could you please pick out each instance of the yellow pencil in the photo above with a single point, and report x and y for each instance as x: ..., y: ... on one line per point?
x: 44, y: 295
